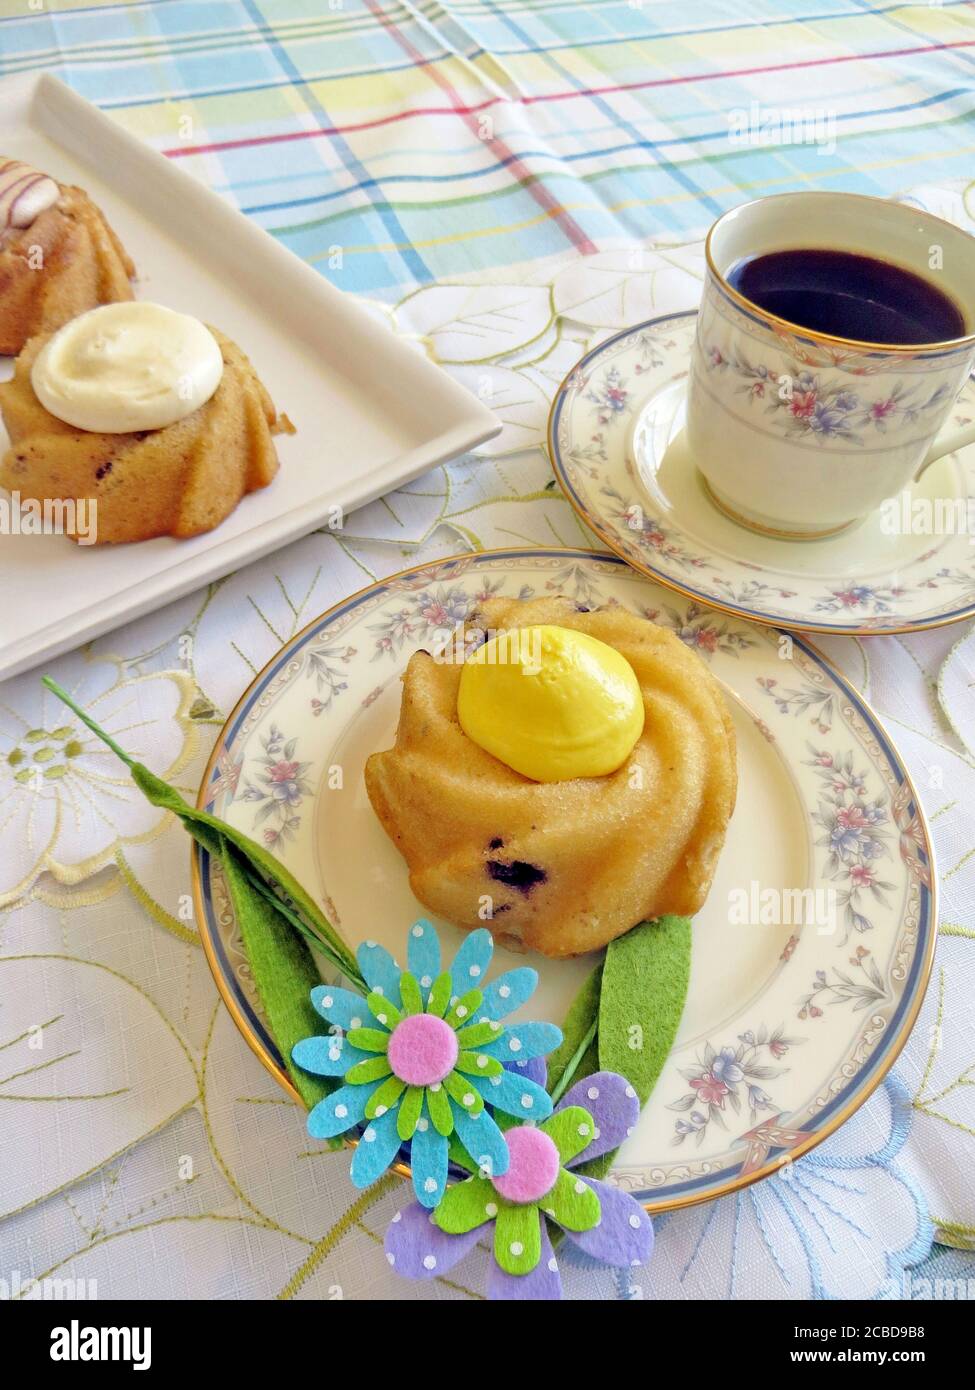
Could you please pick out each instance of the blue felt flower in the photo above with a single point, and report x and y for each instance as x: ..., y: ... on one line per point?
x: 422, y: 1057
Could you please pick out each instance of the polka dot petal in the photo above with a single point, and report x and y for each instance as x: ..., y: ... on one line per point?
x: 379, y: 970
x: 520, y: 1041
x: 371, y: 1160
x: 373, y: 1068
x: 438, y: 999
x: 613, y: 1110
x: 464, y: 1093
x: 338, y: 1112
x: 338, y: 1006
x: 515, y: 1094
x: 542, y: 1284
x: 476, y: 1034
x: 518, y: 1239
x: 385, y: 1096
x: 624, y: 1235
x: 465, y: 1009
x: 476, y: 949
x: 410, y: 1112
x: 428, y: 1156
x: 438, y: 1106
x: 574, y: 1210
x: 423, y: 954
x: 482, y: 1139
x: 465, y: 1206
x: 384, y: 1011
x: 478, y: 1064
x: 509, y: 991
x: 413, y: 1238
x: 571, y: 1128
x: 327, y: 1056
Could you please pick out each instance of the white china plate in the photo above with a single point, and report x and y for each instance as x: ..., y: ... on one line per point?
x: 371, y: 412
x: 787, y: 1028
x: 617, y: 448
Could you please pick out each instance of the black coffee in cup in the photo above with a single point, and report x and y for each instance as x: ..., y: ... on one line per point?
x: 846, y: 295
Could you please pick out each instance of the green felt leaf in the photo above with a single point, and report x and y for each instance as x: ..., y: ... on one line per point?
x: 440, y: 1112
x: 440, y: 995
x: 571, y: 1130
x: 644, y: 987
x: 642, y: 997
x: 409, y: 992
x: 383, y: 1010
x: 577, y: 1055
x: 466, y: 1095
x: 518, y: 1238
x: 283, y: 971
x: 211, y: 832
x: 572, y: 1203
x: 466, y: 1205
x: 465, y: 1007
x: 384, y: 1097
x: 410, y: 1111
x: 478, y: 1064
x: 201, y: 826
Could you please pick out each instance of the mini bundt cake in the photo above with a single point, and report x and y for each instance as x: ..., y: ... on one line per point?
x: 178, y: 480
x: 563, y: 866
x: 58, y: 255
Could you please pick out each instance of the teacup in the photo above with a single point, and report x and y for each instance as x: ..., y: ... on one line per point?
x: 798, y: 433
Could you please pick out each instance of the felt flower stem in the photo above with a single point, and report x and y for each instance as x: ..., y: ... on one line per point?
x: 278, y: 920
x: 208, y: 830
x: 577, y: 1053
x: 568, y: 1076
x: 266, y: 891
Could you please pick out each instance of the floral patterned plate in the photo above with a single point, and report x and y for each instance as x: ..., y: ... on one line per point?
x: 616, y: 444
x: 797, y: 1004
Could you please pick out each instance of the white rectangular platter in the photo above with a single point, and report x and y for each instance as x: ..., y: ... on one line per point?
x: 371, y: 412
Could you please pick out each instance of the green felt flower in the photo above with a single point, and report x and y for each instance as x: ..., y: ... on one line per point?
x: 536, y: 1185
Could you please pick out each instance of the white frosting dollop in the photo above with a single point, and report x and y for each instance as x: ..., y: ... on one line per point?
x: 129, y: 366
x: 24, y: 193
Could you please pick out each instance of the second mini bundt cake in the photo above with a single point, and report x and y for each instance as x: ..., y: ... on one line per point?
x: 177, y: 480
x: 58, y: 255
x: 561, y: 866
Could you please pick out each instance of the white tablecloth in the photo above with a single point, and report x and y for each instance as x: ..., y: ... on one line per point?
x: 145, y: 1149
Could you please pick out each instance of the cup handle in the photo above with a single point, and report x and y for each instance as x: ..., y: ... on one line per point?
x: 947, y: 442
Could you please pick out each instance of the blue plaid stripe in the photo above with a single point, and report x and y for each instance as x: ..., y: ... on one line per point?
x: 320, y: 125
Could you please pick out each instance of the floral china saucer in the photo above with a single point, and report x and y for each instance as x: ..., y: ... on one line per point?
x: 810, y: 956
x: 617, y: 447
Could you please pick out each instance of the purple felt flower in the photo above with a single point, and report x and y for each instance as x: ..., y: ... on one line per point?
x: 593, y: 1117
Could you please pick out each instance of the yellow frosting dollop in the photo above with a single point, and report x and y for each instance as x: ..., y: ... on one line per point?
x: 551, y: 703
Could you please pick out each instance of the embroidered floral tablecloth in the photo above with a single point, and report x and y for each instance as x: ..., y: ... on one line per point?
x: 144, y: 1148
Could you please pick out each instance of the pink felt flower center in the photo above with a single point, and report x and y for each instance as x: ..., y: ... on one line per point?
x: 533, y: 1168
x: 422, y: 1050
